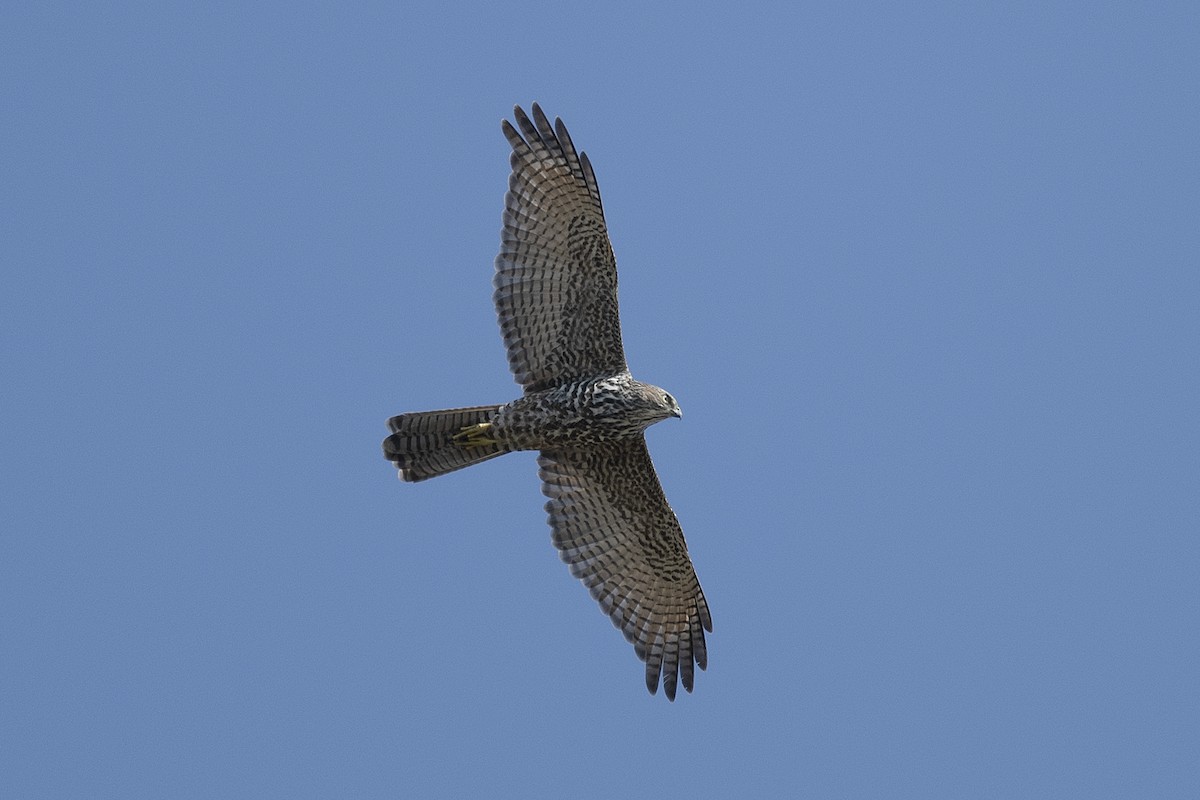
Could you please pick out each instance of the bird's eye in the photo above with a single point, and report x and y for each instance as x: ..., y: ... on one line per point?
x: 670, y: 400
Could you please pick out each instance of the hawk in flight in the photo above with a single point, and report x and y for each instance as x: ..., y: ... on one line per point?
x: 556, y: 299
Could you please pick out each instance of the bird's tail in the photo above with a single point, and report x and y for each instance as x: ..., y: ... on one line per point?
x: 426, y: 444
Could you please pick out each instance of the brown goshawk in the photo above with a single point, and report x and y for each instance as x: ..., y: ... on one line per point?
x: 556, y: 299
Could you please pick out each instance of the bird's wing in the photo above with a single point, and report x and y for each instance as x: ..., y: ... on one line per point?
x: 613, y: 527
x: 556, y: 276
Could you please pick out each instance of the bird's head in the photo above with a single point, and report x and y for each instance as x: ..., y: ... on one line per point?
x: 657, y: 404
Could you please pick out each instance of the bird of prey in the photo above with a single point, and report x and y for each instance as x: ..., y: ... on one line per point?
x: 556, y: 299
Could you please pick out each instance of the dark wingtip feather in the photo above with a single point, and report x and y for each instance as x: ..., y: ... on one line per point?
x: 511, y: 134
x: 545, y: 129
x: 528, y: 131
x: 669, y: 688
x: 589, y: 175
x: 652, y: 678
x: 686, y: 662
x: 564, y: 141
x: 699, y: 647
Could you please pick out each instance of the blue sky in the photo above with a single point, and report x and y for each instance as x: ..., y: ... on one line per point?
x: 923, y: 277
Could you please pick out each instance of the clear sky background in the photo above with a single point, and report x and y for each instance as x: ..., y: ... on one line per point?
x: 925, y: 278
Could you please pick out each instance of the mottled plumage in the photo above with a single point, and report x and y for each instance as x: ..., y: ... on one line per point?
x: 556, y: 300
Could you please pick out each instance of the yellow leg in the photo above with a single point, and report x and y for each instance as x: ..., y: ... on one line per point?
x: 474, y: 436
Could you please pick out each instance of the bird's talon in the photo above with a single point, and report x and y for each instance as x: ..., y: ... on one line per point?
x: 474, y: 436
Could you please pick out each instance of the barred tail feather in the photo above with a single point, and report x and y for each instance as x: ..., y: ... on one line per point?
x: 421, y: 447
